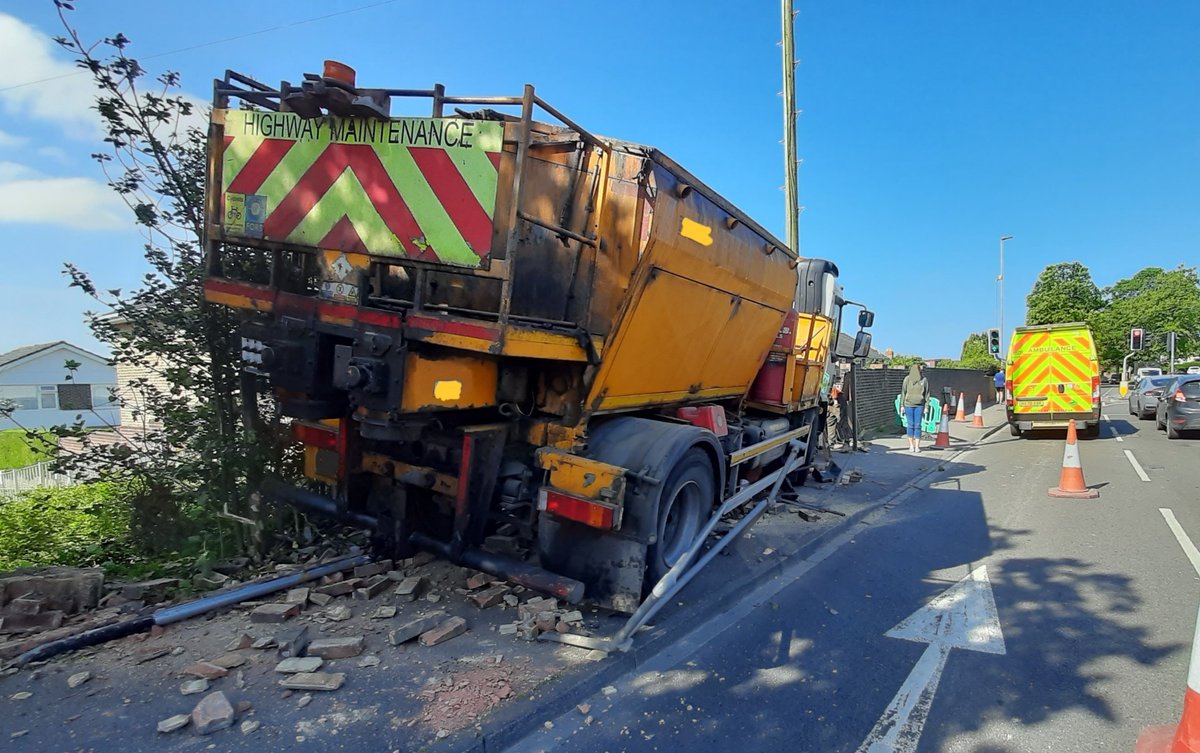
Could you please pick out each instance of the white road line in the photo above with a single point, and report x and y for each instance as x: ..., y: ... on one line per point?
x: 1116, y: 435
x: 1181, y: 536
x: 1136, y: 466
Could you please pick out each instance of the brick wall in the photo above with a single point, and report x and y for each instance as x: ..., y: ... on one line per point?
x: 876, y: 390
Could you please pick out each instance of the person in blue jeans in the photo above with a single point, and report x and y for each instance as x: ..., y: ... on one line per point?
x: 913, y: 395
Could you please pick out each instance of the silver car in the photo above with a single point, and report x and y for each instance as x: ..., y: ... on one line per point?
x: 1143, y: 398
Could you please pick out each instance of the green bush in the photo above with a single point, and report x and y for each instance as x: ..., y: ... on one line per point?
x: 15, y: 451
x: 82, y: 525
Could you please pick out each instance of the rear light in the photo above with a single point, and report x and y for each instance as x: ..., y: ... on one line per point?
x: 586, y: 511
x: 326, y: 439
x: 1179, y: 396
x: 1096, y: 387
x: 1008, y: 391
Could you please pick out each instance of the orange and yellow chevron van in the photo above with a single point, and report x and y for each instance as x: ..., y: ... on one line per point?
x: 1052, y: 377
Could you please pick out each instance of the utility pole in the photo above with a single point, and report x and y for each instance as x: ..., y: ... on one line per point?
x: 1171, y: 345
x: 790, y: 160
x: 1000, y: 279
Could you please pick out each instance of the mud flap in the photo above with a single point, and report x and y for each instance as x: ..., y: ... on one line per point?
x: 612, y: 567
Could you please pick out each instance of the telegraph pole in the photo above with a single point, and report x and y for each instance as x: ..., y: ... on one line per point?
x: 790, y: 187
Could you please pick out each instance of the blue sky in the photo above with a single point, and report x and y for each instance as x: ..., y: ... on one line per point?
x: 929, y: 129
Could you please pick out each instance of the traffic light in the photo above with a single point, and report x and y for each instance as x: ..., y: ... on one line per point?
x: 993, y: 339
x: 1136, y: 335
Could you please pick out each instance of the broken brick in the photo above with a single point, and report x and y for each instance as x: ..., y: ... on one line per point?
x: 478, y: 580
x: 409, y: 588
x: 274, y: 613
x: 20, y: 623
x: 229, y: 661
x: 25, y: 605
x: 172, y: 723
x: 339, y: 613
x: 149, y: 590
x: 292, y: 642
x: 573, y: 616
x: 319, y: 598
x: 451, y: 628
x: 341, y: 588
x: 314, y: 681
x: 336, y: 648
x: 297, y: 596
x: 372, y: 588
x: 414, y: 628
x: 489, y: 597
x: 214, y: 712
x: 297, y: 664
x: 243, y: 641
x: 204, y: 670
x: 372, y: 568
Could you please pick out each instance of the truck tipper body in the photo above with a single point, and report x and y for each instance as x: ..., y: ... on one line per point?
x: 527, y: 348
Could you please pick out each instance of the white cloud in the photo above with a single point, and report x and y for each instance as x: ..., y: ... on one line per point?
x: 53, y: 152
x: 27, y: 55
x: 9, y: 140
x: 82, y: 203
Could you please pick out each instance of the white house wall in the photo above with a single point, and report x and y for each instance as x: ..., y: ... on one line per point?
x: 49, y: 368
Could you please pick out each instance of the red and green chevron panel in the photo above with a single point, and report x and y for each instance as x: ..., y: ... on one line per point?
x: 422, y: 188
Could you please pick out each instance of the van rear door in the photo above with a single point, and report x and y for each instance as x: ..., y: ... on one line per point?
x: 1052, y: 373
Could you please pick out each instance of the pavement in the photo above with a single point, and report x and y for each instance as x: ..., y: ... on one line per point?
x: 431, y: 698
x: 969, y: 612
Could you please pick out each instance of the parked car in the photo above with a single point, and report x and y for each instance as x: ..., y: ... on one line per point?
x: 1148, y: 371
x: 1179, y: 407
x: 1193, y: 370
x: 1143, y: 398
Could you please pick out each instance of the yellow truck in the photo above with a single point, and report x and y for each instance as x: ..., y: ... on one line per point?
x: 515, y: 344
x: 1053, y: 376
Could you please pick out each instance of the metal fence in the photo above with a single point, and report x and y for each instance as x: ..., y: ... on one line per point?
x: 17, y: 480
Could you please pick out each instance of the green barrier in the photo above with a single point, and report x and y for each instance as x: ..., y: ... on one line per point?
x: 930, y: 421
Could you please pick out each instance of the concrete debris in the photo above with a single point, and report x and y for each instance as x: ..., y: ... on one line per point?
x: 320, y: 599
x: 340, y: 588
x: 369, y: 661
x: 21, y: 696
x: 274, y: 613
x: 433, y: 598
x: 383, y: 613
x: 177, y: 651
x: 78, y: 679
x: 25, y: 605
x: 372, y: 568
x: 336, y: 648
x: 489, y: 597
x: 297, y: 664
x: 573, y: 616
x: 292, y: 642
x: 150, y: 653
x: 65, y: 589
x: 21, y: 623
x: 478, y: 580
x: 410, y: 588
x: 509, y: 629
x: 327, y: 681
x: 297, y: 595
x: 414, y: 628
x: 304, y: 700
x: 243, y: 641
x: 608, y: 690
x: 214, y: 712
x: 451, y: 628
x: 442, y: 734
x: 250, y: 726
x: 229, y: 661
x: 339, y: 613
x: 584, y: 708
x: 172, y: 723
x: 204, y: 670
x: 262, y: 643
x: 194, y: 687
x: 211, y: 581
x: 511, y: 600
x: 562, y: 627
x: 768, y: 552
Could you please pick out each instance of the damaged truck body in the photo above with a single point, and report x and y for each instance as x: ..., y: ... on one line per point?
x: 518, y: 345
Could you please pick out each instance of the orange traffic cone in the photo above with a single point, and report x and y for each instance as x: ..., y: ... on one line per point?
x: 943, y: 435
x: 1184, y: 737
x: 977, y: 419
x: 1070, y: 483
x: 961, y: 416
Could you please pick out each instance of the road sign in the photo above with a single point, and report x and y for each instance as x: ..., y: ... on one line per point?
x: 963, y: 616
x: 1136, y: 336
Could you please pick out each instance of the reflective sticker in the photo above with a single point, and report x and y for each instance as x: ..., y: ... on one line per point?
x: 697, y: 232
x: 447, y: 390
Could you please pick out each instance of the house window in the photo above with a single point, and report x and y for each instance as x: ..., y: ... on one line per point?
x: 49, y: 396
x: 26, y: 398
x: 74, y: 396
x: 104, y: 395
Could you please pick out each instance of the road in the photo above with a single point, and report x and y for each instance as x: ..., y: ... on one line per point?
x: 1095, y: 602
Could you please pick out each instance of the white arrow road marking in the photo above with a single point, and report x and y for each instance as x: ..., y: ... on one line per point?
x: 962, y: 616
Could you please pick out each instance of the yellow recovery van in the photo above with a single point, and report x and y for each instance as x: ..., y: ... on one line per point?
x: 1052, y: 377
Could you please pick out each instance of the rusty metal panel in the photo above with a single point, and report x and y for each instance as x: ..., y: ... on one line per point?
x: 447, y: 382
x: 583, y: 477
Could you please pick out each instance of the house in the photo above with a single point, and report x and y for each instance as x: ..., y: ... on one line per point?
x: 46, y: 393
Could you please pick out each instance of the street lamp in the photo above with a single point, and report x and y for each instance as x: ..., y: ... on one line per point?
x: 1000, y: 279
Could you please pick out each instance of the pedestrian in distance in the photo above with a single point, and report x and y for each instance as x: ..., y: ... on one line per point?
x: 913, y: 395
x: 1000, y: 386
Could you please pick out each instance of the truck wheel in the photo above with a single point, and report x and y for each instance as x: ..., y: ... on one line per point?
x: 1014, y: 430
x: 686, y: 503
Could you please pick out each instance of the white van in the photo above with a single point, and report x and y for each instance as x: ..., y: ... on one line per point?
x: 1146, y: 371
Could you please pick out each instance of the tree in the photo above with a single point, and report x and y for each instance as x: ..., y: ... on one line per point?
x: 1064, y: 292
x: 1157, y: 300
x: 194, y: 458
x: 975, y: 353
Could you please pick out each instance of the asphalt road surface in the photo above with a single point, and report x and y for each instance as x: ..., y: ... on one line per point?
x: 1019, y: 622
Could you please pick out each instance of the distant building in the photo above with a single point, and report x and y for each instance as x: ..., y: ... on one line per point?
x: 47, y: 393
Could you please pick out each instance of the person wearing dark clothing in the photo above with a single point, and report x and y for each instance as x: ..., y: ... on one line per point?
x: 913, y: 394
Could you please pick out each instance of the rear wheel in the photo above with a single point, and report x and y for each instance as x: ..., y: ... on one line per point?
x: 686, y: 503
x: 1014, y: 430
x: 1172, y: 432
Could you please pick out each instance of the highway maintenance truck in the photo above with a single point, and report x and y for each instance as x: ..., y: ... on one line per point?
x: 1053, y: 376
x: 529, y: 349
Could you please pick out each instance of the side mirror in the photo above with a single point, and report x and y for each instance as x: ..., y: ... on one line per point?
x: 865, y: 320
x: 862, y: 344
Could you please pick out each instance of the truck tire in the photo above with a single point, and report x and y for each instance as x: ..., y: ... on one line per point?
x: 684, y: 507
x: 1014, y: 430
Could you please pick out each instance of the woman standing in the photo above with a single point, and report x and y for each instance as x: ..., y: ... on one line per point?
x: 913, y: 395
